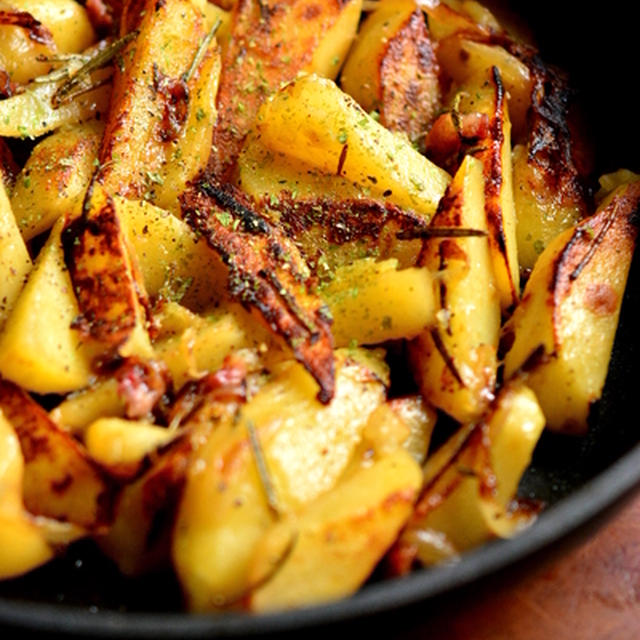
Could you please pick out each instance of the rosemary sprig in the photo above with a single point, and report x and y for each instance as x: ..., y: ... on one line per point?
x: 204, y: 45
x: 440, y: 232
x: 263, y: 470
x: 95, y: 62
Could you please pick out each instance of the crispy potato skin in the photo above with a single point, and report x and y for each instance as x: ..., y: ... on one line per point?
x: 266, y: 273
x: 105, y: 278
x: 60, y: 481
x: 564, y: 328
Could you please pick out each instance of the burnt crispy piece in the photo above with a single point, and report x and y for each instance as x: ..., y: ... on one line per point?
x: 105, y: 279
x: 330, y: 232
x: 271, y: 41
x: 60, y: 481
x: 266, y: 273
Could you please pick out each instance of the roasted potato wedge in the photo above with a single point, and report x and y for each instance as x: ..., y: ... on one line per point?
x: 55, y: 179
x: 466, y: 500
x: 563, y: 329
x: 59, y: 481
x: 42, y: 352
x: 455, y: 360
x: 314, y: 122
x: 392, y: 68
x: 225, y: 510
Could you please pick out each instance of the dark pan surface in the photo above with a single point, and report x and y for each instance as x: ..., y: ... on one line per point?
x: 580, y: 479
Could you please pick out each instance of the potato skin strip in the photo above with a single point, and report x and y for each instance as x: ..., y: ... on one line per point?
x: 104, y: 278
x: 267, y: 273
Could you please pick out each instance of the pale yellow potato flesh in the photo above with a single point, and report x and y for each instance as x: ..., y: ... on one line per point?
x: 311, y: 120
x: 41, y: 351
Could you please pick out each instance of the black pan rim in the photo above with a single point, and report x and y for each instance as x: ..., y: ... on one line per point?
x: 560, y: 520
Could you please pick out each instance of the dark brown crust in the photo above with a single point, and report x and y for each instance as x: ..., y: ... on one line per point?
x: 319, y: 223
x: 266, y: 273
x: 409, y: 79
x: 104, y: 279
x: 36, y: 30
x: 69, y: 468
x: 174, y: 94
x: 621, y: 218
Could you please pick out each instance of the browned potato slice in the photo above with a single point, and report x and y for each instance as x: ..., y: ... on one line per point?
x: 338, y: 539
x: 455, y: 361
x: 467, y: 501
x: 549, y: 173
x: 39, y: 349
x: 392, y: 68
x: 55, y: 178
x: 22, y: 545
x: 226, y: 508
x: 15, y: 263
x: 106, y: 279
x: 59, y: 479
x: 150, y: 102
x: 266, y: 274
x: 564, y: 327
x: 485, y: 94
x: 270, y: 43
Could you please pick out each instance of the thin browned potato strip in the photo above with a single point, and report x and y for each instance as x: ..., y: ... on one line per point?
x: 392, y: 68
x: 271, y: 41
x: 331, y: 231
x: 110, y: 293
x: 150, y: 97
x: 59, y: 479
x: 266, y: 273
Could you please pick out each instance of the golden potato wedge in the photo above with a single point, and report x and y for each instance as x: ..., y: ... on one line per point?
x: 270, y: 43
x: 459, y: 16
x: 59, y: 479
x: 338, y: 539
x: 144, y: 124
x: 485, y: 94
x: 174, y: 264
x: 314, y: 122
x: 225, y: 511
x: 467, y: 500
x: 372, y: 302
x: 22, y: 545
x: 106, y: 278
x: 15, y: 263
x: 55, y: 178
x: 549, y: 189
x: 40, y: 350
x: 392, y: 68
x: 455, y: 361
x: 120, y: 445
x: 563, y: 330
x: 32, y: 28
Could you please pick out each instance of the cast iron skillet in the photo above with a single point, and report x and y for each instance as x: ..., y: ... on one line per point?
x: 581, y: 479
